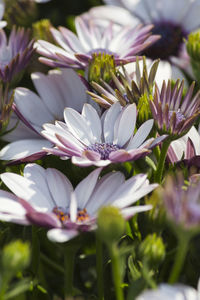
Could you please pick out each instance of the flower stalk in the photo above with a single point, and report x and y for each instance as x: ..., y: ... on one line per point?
x: 114, y: 254
x: 161, y: 162
x: 69, y: 259
x: 183, y: 243
x: 99, y: 266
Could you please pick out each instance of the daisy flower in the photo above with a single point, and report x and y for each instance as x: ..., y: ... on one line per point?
x: 173, y: 113
x: 172, y: 24
x: 55, y: 92
x: 91, y: 140
x: 173, y: 21
x: 76, y: 51
x: 47, y: 198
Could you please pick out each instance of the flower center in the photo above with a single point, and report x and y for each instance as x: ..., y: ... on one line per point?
x: 63, y: 215
x: 170, y: 42
x: 179, y: 116
x: 104, y: 149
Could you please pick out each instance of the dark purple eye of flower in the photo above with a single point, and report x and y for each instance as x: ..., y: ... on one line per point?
x: 104, y: 149
x: 170, y: 42
x: 63, y: 215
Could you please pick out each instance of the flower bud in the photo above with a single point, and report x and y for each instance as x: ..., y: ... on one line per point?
x: 144, y: 110
x: 15, y: 257
x: 152, y: 249
x: 20, y: 12
x: 111, y: 224
x: 193, y: 49
x: 101, y: 67
x: 41, y: 30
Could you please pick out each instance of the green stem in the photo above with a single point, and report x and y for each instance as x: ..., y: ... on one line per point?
x: 116, y: 272
x: 35, y: 260
x: 147, y: 276
x: 156, y: 151
x: 69, y: 259
x: 183, y: 243
x: 99, y: 266
x: 161, y: 162
x: 51, y: 263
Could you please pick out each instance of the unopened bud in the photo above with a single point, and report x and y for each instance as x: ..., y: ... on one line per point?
x: 144, y: 110
x: 15, y: 256
x: 111, y: 224
x: 152, y: 249
x: 20, y: 12
x: 193, y: 49
x: 101, y: 67
x: 41, y: 30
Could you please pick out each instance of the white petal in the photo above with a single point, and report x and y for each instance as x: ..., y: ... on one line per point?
x: 104, y: 190
x: 130, y: 199
x: 60, y: 187
x: 191, y: 20
x: 27, y: 190
x: 38, y: 175
x: 61, y: 235
x: 73, y: 208
x: 140, y: 135
x: 21, y: 149
x: 72, y: 89
x: 129, y: 187
x: 78, y: 126
x: 167, y: 292
x: 85, y: 188
x: 9, y: 204
x: 109, y: 121
x: 126, y: 125
x: 30, y: 106
x: 50, y: 94
x: 112, y: 13
x: 131, y: 211
x: 93, y: 121
x: 84, y: 162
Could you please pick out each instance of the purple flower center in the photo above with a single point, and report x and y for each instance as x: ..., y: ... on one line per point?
x: 179, y: 116
x: 170, y: 42
x: 63, y: 215
x: 104, y: 149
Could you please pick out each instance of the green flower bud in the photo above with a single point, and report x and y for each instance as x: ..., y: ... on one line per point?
x: 193, y: 49
x: 101, y: 67
x: 111, y: 224
x: 20, y: 12
x: 144, y: 110
x: 193, y: 45
x: 15, y: 257
x: 152, y: 249
x: 41, y: 30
